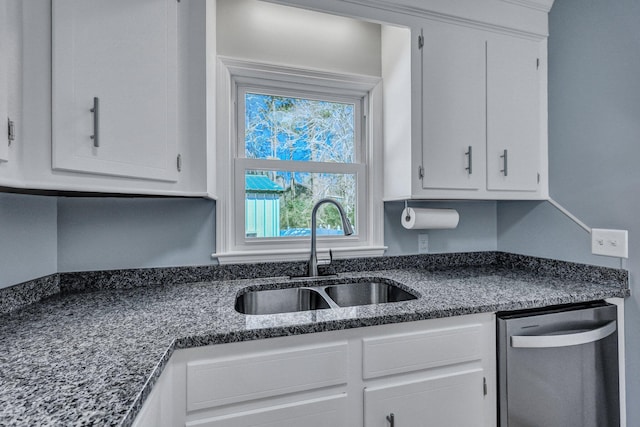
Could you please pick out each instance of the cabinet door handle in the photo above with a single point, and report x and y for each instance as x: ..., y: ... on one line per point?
x: 391, y: 420
x: 504, y: 163
x: 469, y: 154
x: 96, y: 121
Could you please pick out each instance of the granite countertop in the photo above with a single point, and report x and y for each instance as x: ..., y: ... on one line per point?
x: 91, y: 358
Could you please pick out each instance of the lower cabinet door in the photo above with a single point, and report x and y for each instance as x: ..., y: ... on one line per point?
x: 451, y: 400
x: 322, y: 412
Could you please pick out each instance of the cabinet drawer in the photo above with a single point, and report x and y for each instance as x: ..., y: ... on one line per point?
x: 258, y: 375
x: 324, y: 412
x: 422, y: 350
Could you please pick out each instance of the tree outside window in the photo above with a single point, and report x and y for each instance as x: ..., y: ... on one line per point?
x: 301, y: 130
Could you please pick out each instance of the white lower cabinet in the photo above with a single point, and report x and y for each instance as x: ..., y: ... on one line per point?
x: 437, y: 372
x: 323, y: 412
x: 453, y: 399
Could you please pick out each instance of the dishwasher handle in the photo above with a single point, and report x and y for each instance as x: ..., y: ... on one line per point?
x: 565, y: 340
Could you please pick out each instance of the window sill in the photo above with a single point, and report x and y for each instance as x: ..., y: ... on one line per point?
x: 282, y: 255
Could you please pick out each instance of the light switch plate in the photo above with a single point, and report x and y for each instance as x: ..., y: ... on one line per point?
x: 613, y: 243
x: 423, y: 243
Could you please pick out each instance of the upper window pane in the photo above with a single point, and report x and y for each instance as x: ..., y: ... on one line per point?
x: 287, y: 128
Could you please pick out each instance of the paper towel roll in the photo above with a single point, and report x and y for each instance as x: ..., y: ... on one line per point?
x: 431, y: 219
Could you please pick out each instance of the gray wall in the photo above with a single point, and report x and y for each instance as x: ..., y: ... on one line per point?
x: 44, y: 235
x: 476, y: 231
x: 28, y: 236
x: 594, y: 148
x: 112, y: 233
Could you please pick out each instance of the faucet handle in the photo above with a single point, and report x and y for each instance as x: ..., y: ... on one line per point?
x: 327, y: 262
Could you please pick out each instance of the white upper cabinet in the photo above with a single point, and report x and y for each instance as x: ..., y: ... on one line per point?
x: 513, y: 114
x: 453, y: 108
x: 478, y: 116
x: 143, y: 61
x: 476, y: 104
x: 4, y: 95
x: 481, y: 117
x: 115, y: 88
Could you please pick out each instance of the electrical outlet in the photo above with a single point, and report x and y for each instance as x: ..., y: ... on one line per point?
x: 423, y: 243
x: 613, y: 243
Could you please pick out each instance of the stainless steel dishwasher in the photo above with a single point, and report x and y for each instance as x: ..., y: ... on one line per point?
x: 558, y: 367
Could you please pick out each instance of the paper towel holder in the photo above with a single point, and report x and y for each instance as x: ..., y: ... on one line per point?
x: 406, y: 209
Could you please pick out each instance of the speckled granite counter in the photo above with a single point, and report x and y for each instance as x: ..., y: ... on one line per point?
x: 91, y: 358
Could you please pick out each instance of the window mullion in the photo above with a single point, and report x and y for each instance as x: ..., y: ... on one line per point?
x: 295, y: 166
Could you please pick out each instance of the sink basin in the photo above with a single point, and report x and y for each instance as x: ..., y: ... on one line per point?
x: 328, y: 294
x: 274, y: 301
x: 347, y: 295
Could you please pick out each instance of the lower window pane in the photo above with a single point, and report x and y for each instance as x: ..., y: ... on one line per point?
x: 279, y: 204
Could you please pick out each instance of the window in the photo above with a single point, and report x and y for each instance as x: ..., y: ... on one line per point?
x: 304, y: 147
x: 296, y: 137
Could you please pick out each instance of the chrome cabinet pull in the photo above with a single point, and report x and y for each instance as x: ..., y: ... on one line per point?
x: 504, y: 163
x: 96, y: 121
x: 469, y: 167
x: 391, y: 420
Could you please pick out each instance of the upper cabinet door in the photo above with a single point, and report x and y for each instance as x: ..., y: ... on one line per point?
x: 123, y: 54
x: 513, y: 114
x: 453, y: 107
x: 4, y: 93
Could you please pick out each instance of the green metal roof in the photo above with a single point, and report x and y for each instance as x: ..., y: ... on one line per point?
x: 260, y: 184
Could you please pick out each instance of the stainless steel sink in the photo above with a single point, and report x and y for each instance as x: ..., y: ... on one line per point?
x: 367, y: 293
x: 274, y: 301
x: 331, y: 294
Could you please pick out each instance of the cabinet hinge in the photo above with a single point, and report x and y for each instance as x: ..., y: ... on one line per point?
x: 538, y: 178
x: 484, y: 385
x: 11, y: 131
x: 420, y: 172
x: 179, y: 163
x: 537, y: 63
x: 420, y: 41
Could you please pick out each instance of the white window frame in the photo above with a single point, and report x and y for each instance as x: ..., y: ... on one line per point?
x: 234, y: 76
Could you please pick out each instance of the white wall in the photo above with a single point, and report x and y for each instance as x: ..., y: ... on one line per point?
x: 265, y: 32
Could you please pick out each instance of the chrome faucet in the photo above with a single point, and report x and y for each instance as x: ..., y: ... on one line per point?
x: 346, y: 227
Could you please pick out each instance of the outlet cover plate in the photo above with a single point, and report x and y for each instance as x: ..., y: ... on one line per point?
x: 423, y: 243
x: 614, y: 243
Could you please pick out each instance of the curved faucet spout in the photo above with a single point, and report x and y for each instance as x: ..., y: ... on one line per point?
x: 347, y: 228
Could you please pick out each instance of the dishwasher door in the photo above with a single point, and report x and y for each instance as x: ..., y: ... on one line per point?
x: 559, y: 367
